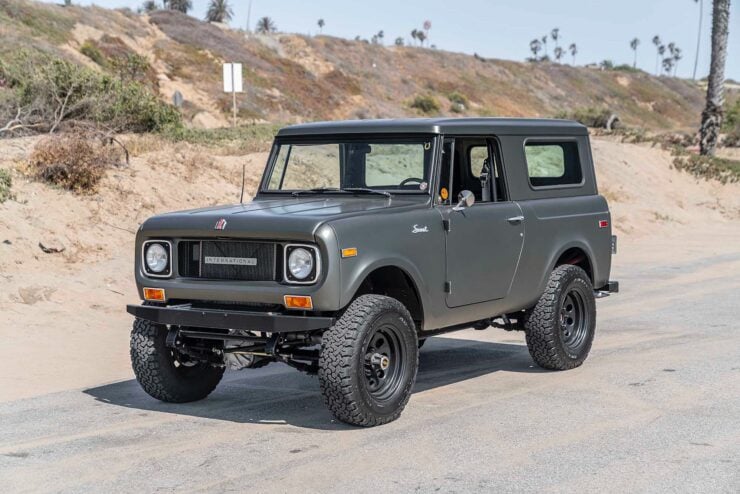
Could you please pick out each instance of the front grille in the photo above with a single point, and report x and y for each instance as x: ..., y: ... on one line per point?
x: 228, y: 260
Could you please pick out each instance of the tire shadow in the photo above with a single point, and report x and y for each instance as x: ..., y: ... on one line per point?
x: 278, y: 394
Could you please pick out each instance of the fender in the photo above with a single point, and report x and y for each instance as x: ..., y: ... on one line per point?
x: 554, y: 259
x: 351, y: 281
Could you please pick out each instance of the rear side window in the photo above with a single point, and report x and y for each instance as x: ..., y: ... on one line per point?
x: 553, y: 163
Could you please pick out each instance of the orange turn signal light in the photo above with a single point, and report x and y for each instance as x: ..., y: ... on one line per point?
x: 156, y: 294
x: 298, y: 302
x: 349, y: 252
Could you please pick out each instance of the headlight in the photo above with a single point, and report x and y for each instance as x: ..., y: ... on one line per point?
x: 157, y: 258
x: 300, y: 263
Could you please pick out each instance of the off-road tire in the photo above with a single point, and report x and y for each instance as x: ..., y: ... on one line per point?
x: 544, y: 326
x: 156, y: 371
x: 342, y: 361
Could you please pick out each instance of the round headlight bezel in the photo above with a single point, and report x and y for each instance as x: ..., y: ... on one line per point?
x: 314, y: 264
x: 166, y: 270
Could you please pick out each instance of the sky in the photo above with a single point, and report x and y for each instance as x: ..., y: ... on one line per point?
x: 504, y: 28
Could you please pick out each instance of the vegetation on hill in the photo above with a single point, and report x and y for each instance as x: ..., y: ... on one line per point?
x: 292, y: 77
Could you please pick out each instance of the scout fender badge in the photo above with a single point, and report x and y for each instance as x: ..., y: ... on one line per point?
x: 420, y: 229
x: 220, y: 224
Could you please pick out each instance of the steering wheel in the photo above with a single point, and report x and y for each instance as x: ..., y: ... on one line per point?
x: 411, y: 179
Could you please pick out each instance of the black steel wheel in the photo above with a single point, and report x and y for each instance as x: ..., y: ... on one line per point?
x: 560, y: 328
x: 574, y: 322
x: 384, y: 362
x: 368, y: 361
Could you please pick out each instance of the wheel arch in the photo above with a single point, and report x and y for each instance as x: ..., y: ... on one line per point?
x: 577, y: 253
x: 394, y: 281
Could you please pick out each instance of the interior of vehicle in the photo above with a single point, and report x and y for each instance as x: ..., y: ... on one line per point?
x: 474, y: 164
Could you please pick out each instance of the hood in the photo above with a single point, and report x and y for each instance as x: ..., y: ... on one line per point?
x: 279, y: 219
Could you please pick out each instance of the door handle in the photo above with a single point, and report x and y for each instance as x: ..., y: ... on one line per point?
x: 515, y: 219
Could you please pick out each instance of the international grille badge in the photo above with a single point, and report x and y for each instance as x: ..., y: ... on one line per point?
x: 220, y: 224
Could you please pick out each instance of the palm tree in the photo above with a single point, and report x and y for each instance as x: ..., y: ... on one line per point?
x: 544, y: 43
x: 661, y: 52
x: 573, y: 51
x: 711, y: 117
x: 657, y: 43
x: 180, y: 5
x: 380, y: 36
x: 634, y: 44
x: 415, y: 34
x: 421, y: 36
x: 399, y: 41
x: 677, y: 55
x: 266, y: 26
x: 219, y: 11
x: 559, y: 52
x: 555, y: 35
x: 535, y: 45
x: 321, y: 25
x: 698, y: 35
x: 668, y: 65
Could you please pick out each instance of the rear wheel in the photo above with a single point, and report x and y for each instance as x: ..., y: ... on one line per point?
x: 368, y: 362
x: 163, y: 373
x: 561, y: 327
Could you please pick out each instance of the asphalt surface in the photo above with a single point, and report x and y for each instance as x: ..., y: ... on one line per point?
x: 655, y: 408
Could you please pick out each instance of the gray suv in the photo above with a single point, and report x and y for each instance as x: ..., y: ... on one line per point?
x: 366, y: 238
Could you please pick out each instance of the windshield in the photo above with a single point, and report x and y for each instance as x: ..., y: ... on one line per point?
x: 392, y: 165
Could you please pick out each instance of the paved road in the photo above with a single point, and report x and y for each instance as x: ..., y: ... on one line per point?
x: 656, y: 408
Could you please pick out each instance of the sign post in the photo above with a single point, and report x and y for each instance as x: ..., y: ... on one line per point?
x: 233, y: 83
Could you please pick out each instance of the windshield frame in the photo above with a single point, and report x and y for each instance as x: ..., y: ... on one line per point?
x: 341, y: 138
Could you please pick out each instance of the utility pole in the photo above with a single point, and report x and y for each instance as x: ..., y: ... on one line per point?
x: 249, y: 17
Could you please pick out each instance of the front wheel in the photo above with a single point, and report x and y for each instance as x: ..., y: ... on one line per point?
x: 163, y: 373
x: 368, y: 362
x: 560, y: 329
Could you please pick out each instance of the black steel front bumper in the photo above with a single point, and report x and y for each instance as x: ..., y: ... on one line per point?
x: 269, y: 322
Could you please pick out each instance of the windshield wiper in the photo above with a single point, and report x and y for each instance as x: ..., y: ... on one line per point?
x: 351, y: 190
x: 362, y: 190
x: 317, y: 190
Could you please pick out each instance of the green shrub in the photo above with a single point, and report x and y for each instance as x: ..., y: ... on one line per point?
x: 458, y: 102
x: 6, y: 182
x: 426, y: 104
x: 91, y: 51
x: 53, y: 91
x: 707, y: 167
x: 732, y: 117
x: 732, y: 139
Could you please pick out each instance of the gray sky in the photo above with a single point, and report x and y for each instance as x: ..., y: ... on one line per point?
x: 504, y: 28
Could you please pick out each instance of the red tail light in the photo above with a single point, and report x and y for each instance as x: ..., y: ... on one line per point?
x: 604, y: 224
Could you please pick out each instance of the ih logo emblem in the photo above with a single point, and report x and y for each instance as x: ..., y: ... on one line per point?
x: 220, y: 224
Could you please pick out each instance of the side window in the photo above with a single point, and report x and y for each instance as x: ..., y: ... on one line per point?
x: 553, y: 163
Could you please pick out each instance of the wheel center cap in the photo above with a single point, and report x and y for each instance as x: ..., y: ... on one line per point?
x: 381, y: 361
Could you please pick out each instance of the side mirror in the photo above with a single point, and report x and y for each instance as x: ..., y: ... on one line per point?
x: 465, y: 200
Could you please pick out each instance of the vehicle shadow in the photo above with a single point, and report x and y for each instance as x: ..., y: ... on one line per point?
x: 278, y: 394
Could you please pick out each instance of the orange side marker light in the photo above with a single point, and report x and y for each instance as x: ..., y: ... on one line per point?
x: 349, y: 252
x: 298, y: 302
x: 156, y: 294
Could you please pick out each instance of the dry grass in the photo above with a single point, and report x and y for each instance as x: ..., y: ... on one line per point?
x: 73, y: 161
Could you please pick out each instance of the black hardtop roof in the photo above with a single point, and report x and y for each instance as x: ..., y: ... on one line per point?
x: 472, y: 126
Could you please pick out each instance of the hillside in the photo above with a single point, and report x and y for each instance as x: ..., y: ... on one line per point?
x: 292, y: 77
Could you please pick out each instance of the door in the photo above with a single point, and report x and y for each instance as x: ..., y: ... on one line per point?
x: 484, y: 241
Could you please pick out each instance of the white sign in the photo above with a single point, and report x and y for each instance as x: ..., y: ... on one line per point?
x: 233, y: 78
